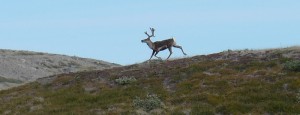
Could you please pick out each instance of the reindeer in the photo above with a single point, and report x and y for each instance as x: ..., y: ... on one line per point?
x: 160, y: 45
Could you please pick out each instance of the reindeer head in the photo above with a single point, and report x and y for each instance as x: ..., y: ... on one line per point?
x: 148, y: 38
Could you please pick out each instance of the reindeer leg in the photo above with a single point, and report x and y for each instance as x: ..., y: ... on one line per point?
x: 152, y: 54
x: 177, y: 46
x: 170, y: 50
x: 157, y: 56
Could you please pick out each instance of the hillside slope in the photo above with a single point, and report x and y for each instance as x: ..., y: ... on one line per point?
x: 230, y: 82
x: 18, y: 67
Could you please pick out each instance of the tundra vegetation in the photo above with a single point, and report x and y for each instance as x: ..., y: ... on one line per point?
x: 230, y: 82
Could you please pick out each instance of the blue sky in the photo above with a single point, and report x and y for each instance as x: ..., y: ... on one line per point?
x: 112, y: 30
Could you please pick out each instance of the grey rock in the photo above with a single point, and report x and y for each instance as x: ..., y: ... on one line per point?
x: 19, y: 67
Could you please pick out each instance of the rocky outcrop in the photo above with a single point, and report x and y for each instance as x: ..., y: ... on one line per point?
x: 19, y: 67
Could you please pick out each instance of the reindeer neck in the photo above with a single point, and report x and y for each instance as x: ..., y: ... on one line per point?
x: 151, y: 45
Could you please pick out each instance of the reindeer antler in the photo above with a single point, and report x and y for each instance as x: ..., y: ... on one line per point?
x: 152, y: 31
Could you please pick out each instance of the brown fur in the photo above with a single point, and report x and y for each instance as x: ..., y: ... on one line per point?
x: 164, y: 44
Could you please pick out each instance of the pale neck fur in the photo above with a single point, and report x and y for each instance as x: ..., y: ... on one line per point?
x: 150, y: 44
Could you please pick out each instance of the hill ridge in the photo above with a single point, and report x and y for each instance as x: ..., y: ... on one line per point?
x: 19, y: 66
x: 229, y: 82
x: 155, y: 65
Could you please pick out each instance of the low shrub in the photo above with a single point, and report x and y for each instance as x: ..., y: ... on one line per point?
x: 125, y: 80
x: 292, y: 66
x: 151, y: 102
